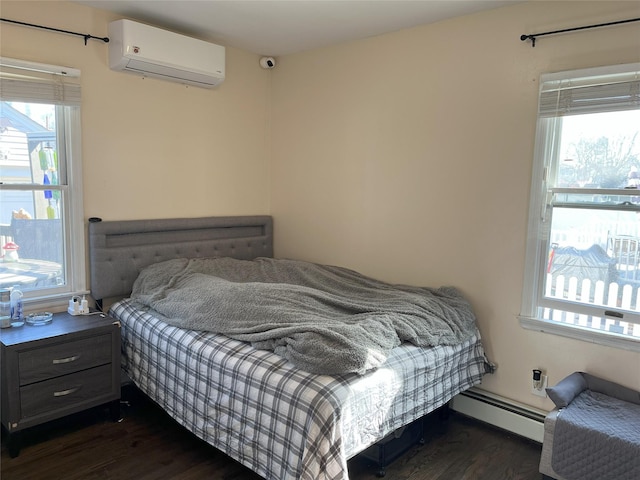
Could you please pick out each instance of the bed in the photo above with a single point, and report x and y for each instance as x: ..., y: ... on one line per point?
x: 257, y: 406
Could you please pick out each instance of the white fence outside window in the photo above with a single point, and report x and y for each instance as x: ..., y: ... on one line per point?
x: 597, y: 293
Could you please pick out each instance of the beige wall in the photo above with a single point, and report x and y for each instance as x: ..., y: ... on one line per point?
x: 154, y: 149
x: 405, y: 156
x: 408, y: 157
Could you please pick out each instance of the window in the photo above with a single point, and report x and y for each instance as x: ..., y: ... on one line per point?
x: 582, y: 276
x: 41, y: 217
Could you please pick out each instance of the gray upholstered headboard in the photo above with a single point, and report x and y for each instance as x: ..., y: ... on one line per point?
x: 118, y: 250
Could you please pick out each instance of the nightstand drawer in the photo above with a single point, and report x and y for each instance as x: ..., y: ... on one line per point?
x: 64, y: 358
x: 66, y: 391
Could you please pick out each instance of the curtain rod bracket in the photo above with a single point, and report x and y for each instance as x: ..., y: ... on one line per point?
x: 529, y: 37
x: 86, y: 36
x: 533, y: 36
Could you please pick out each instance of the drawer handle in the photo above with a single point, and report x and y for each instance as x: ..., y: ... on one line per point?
x: 72, y: 358
x: 63, y: 393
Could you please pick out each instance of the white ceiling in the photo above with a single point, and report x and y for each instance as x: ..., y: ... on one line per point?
x: 280, y: 27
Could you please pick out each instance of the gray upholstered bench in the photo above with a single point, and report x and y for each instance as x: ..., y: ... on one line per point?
x: 594, y: 431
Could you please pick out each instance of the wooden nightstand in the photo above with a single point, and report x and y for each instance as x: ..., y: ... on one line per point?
x: 58, y: 369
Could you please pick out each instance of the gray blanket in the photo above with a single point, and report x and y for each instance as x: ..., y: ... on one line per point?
x: 324, y: 319
x: 597, y: 437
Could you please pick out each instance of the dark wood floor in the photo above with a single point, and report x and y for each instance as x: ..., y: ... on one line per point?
x: 148, y: 445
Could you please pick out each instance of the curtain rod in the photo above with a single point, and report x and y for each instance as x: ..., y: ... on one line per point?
x: 86, y: 36
x: 533, y: 36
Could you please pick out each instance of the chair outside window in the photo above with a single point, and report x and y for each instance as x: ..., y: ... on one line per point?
x: 625, y: 249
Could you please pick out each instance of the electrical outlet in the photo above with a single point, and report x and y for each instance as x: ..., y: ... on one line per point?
x: 538, y: 386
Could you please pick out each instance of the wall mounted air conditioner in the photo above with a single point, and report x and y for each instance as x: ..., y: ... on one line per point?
x: 153, y: 52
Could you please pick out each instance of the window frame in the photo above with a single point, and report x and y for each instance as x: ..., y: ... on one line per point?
x: 543, y: 189
x: 64, y: 94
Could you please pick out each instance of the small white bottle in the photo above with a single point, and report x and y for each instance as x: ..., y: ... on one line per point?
x: 84, y: 306
x: 5, y: 308
x: 17, y: 312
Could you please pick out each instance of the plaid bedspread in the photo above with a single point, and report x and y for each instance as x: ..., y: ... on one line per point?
x: 279, y: 421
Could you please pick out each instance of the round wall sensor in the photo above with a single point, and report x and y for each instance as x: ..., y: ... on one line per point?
x: 267, y: 62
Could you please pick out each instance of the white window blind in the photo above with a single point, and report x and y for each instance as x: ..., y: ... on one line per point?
x: 29, y: 82
x: 562, y: 94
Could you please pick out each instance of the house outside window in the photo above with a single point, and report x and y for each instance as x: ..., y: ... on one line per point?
x: 41, y: 216
x: 582, y: 274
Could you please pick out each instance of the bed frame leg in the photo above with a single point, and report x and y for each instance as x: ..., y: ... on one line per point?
x: 14, y: 443
x: 114, y: 411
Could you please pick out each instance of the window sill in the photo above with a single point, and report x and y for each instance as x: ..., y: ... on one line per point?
x: 52, y: 303
x: 579, y: 333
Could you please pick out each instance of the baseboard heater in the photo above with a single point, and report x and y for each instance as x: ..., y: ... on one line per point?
x: 501, y: 412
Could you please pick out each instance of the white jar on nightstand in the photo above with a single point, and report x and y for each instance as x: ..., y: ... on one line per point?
x: 5, y: 308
